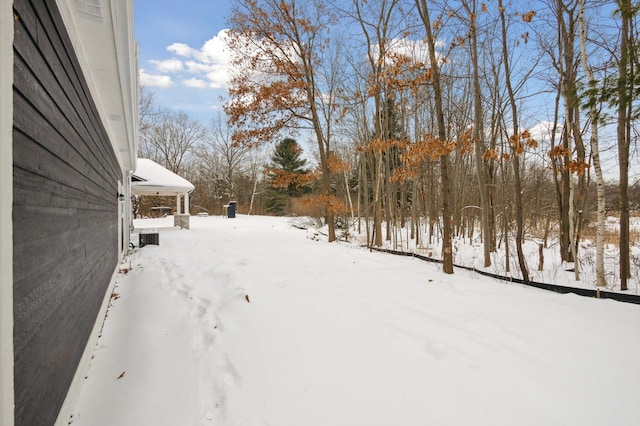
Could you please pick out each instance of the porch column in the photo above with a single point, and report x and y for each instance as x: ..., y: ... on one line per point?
x: 186, y: 203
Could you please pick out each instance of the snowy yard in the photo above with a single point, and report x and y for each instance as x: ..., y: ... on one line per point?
x: 250, y: 321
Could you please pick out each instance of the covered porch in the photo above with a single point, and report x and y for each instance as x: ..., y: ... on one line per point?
x: 152, y: 179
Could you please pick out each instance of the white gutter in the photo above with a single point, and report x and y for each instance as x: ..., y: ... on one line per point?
x: 127, y: 55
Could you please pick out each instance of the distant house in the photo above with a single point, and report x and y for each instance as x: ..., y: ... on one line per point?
x: 68, y: 126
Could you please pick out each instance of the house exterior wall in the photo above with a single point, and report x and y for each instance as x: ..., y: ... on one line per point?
x: 65, y: 212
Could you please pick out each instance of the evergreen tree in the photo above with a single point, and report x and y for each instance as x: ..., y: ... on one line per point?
x: 287, y: 176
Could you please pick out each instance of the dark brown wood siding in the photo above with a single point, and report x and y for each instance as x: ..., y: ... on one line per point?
x: 65, y: 212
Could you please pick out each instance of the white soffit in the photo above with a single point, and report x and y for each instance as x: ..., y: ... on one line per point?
x: 102, y: 34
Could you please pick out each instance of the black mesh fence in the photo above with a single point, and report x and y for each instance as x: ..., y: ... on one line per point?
x: 600, y: 294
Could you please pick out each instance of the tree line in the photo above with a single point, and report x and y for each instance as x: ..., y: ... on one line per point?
x: 444, y: 119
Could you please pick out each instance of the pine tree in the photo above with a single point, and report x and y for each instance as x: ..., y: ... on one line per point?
x: 287, y: 176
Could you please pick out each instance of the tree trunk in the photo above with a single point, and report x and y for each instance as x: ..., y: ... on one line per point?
x: 515, y: 160
x: 625, y: 91
x: 478, y: 132
x: 558, y: 165
x: 595, y: 153
x: 349, y: 200
x: 389, y: 205
x: 415, y: 221
x: 253, y: 194
x: 323, y: 149
x: 565, y: 188
x: 365, y: 194
x: 377, y: 199
x: 447, y: 249
x: 573, y: 244
x: 576, y: 195
x: 506, y: 218
x: 540, y: 257
x: 519, y: 219
x: 431, y: 201
x: 447, y: 246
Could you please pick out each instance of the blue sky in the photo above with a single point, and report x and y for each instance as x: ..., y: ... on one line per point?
x: 181, y: 55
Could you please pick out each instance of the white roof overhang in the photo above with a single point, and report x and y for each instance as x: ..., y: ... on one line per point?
x: 150, y: 178
x: 102, y: 35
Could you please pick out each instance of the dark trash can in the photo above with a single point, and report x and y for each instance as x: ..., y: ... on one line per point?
x: 231, y: 209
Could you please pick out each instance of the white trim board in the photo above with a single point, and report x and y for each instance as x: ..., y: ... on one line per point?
x: 6, y: 214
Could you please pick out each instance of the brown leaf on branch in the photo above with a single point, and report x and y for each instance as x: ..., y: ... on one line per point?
x: 576, y: 166
x: 519, y: 142
x: 558, y: 152
x: 336, y: 165
x: 528, y: 16
x: 490, y: 154
x: 380, y: 145
x: 328, y: 201
x: 283, y: 178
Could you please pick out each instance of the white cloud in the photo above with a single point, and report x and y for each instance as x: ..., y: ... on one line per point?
x: 181, y: 49
x: 152, y: 80
x: 196, y: 83
x: 198, y: 67
x: 417, y: 50
x: 168, y: 65
x: 209, y: 64
x: 218, y: 78
x: 207, y: 67
x: 215, y: 50
x: 543, y: 130
x: 414, y: 49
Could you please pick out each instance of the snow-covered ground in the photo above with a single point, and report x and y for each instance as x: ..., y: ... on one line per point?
x: 250, y: 321
x: 469, y: 252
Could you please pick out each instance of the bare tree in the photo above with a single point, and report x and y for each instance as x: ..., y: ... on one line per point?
x: 146, y: 106
x: 516, y: 145
x: 170, y: 139
x: 595, y: 148
x: 223, y: 159
x: 257, y: 158
x: 627, y: 63
x: 447, y: 248
x: 376, y: 22
x: 471, y: 9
